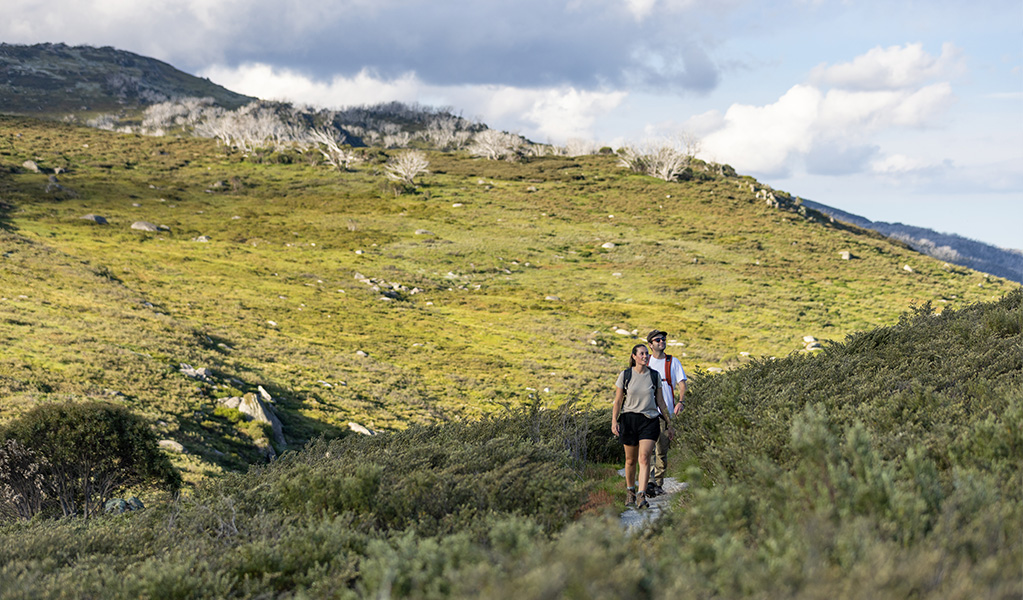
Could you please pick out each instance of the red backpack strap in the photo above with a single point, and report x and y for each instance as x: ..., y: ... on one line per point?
x: 667, y: 375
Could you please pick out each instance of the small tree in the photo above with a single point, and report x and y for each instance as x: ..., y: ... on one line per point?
x: 331, y: 147
x: 665, y: 160
x: 405, y: 166
x: 494, y: 145
x: 89, y: 451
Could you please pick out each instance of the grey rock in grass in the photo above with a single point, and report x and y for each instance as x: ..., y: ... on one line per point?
x: 202, y: 238
x: 144, y: 226
x: 31, y: 165
x: 360, y: 429
x: 202, y: 373
x: 254, y: 407
x: 423, y: 232
x: 265, y: 395
x: 846, y: 255
x: 232, y: 402
x: 171, y: 446
x: 95, y: 219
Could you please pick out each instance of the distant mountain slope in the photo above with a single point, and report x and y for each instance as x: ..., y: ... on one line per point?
x: 56, y: 79
x: 943, y: 246
x: 110, y: 87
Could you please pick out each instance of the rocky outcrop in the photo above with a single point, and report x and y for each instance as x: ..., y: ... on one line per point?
x: 251, y: 405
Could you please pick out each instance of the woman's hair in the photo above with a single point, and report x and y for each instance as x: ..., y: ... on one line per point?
x: 632, y: 355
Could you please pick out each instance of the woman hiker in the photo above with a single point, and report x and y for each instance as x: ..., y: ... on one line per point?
x: 638, y: 397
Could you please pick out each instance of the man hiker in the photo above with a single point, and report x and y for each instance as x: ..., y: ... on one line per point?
x: 673, y: 382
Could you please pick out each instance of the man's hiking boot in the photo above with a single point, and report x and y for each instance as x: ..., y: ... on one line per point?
x: 641, y: 501
x: 654, y: 490
x: 630, y: 498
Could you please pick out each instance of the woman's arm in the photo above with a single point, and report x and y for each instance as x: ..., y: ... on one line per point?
x: 617, y: 410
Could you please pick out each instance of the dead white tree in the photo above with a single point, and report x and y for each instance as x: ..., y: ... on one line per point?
x: 331, y: 145
x: 495, y: 145
x: 406, y: 165
x: 666, y: 159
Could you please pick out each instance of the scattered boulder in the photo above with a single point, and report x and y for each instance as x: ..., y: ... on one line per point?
x: 361, y: 353
x: 907, y: 268
x: 846, y: 255
x: 264, y: 394
x: 95, y: 219
x: 623, y: 332
x: 811, y: 343
x: 144, y: 226
x: 423, y: 232
x: 360, y: 429
x: 202, y: 373
x: 31, y: 165
x: 553, y: 298
x: 202, y: 238
x: 232, y: 402
x: 171, y: 446
x: 608, y: 245
x: 255, y: 408
x: 117, y: 506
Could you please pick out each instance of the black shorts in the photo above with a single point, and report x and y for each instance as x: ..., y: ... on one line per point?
x: 633, y: 427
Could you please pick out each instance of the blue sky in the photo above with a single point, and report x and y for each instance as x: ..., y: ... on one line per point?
x: 895, y: 110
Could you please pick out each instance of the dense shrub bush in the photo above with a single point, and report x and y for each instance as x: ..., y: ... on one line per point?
x: 885, y: 467
x: 86, y: 453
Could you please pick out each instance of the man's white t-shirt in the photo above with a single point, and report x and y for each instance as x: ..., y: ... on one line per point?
x: 677, y: 375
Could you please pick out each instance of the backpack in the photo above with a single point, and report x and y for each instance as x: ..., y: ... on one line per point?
x: 654, y: 379
x: 667, y: 375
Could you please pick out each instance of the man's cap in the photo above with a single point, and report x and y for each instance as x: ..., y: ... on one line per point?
x: 650, y: 336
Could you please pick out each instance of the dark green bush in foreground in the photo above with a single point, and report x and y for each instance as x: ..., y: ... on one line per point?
x: 885, y: 467
x: 78, y: 455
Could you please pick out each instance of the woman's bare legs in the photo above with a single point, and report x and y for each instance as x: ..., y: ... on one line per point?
x: 644, y: 451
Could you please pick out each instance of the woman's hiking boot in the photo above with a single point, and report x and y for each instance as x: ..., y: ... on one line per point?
x: 630, y: 498
x: 641, y: 501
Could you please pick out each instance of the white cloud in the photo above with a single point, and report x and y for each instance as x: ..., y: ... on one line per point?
x: 764, y: 139
x: 834, y: 131
x: 640, y: 9
x: 265, y: 81
x: 898, y: 164
x: 546, y: 114
x: 892, y: 68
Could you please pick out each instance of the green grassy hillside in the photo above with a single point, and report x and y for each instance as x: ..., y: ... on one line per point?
x: 491, y: 283
x: 887, y: 466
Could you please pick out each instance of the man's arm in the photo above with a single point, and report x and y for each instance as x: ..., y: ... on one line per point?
x: 681, y: 384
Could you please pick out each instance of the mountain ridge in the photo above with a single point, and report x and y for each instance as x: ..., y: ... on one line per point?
x: 950, y: 247
x: 56, y: 79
